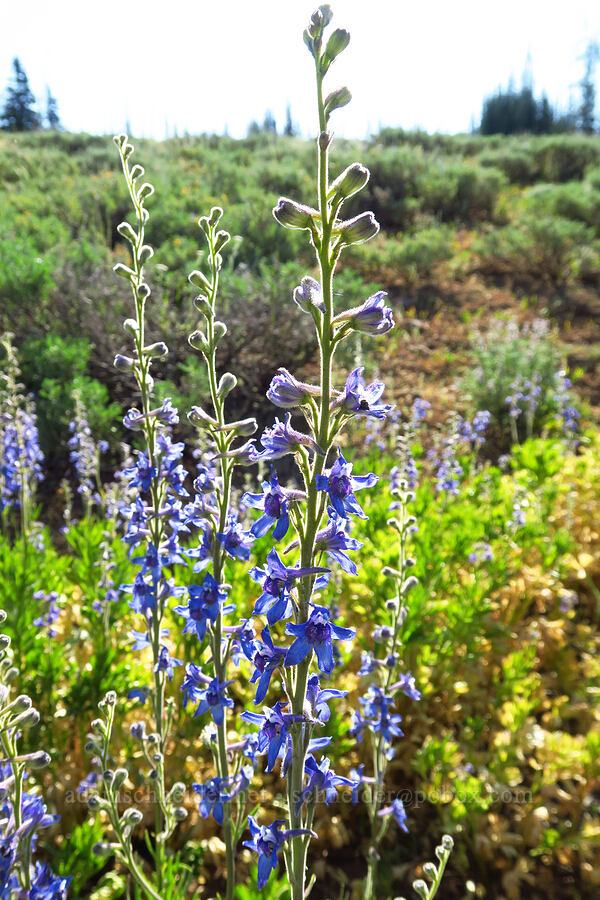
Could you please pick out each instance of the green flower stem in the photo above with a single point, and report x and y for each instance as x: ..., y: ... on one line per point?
x: 220, y: 656
x: 327, y: 259
x: 9, y: 747
x: 158, y: 490
x: 379, y: 761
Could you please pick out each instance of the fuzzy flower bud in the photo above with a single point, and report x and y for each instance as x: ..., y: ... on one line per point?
x: 349, y: 182
x: 336, y: 99
x: 294, y: 215
x: 226, y: 384
x: 308, y: 295
x: 359, y: 229
x: 132, y: 816
x: 337, y: 42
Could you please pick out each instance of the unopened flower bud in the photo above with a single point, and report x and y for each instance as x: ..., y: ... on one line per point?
x: 11, y: 674
x: 219, y: 330
x: 243, y: 427
x: 26, y: 719
x: 227, y: 383
x: 420, y: 888
x: 359, y: 229
x: 294, y: 215
x: 119, y: 777
x: 180, y: 813
x: 126, y: 231
x: 2, y: 616
x: 123, y: 363
x: 4, y: 642
x: 430, y: 870
x: 177, y: 792
x: 132, y: 816
x: 325, y: 138
x: 201, y: 418
x: 351, y: 180
x: 409, y: 584
x: 336, y: 99
x: 159, y: 350
x: 130, y: 325
x: 198, y: 341
x: 308, y: 295
x: 447, y: 843
x: 221, y: 238
x: 215, y: 216
x: 200, y: 281
x: 337, y: 42
x: 21, y: 703
x: 37, y: 760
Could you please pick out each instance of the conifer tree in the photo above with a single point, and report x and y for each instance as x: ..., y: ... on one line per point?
x: 19, y: 112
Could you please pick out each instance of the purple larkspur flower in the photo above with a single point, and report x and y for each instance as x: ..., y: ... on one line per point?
x: 371, y: 317
x: 334, y: 541
x: 281, y: 439
x: 316, y: 634
x: 266, y: 841
x: 203, y: 606
x: 212, y: 797
x: 397, y: 811
x: 235, y: 540
x: 276, y: 581
x: 340, y: 484
x: 321, y: 778
x: 319, y: 698
x: 267, y: 659
x: 273, y: 725
x: 287, y: 392
x: 274, y: 501
x: 360, y: 399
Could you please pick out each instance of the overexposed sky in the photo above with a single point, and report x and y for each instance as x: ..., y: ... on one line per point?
x: 200, y: 66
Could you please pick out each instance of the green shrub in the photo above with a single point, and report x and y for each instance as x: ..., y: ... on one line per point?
x: 565, y: 158
x: 517, y: 163
x: 545, y: 248
x: 578, y: 201
x: 410, y: 258
x: 53, y: 369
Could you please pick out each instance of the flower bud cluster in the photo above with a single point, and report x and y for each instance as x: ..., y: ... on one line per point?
x: 22, y: 813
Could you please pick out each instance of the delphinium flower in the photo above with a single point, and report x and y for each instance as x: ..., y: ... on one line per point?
x: 406, y: 468
x: 481, y: 552
x: 222, y: 537
x: 20, y: 455
x: 448, y: 469
x: 154, y: 522
x: 385, y: 676
x: 22, y: 814
x: 50, y: 614
x: 85, y: 454
x: 567, y: 414
x: 322, y: 513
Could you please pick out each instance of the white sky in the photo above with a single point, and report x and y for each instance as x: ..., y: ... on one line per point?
x: 201, y: 66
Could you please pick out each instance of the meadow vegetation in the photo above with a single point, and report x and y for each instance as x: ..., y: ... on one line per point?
x: 490, y: 253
